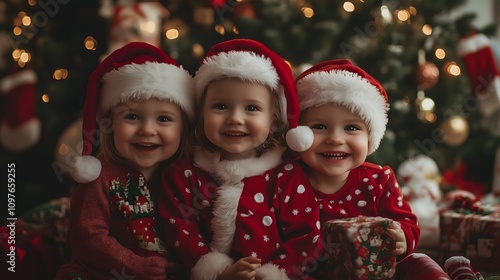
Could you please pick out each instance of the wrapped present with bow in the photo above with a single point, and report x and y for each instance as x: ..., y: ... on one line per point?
x: 469, y: 228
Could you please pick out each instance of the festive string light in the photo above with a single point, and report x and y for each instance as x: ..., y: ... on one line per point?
x: 25, y: 57
x: 235, y: 30
x: 403, y: 15
x: 430, y: 117
x: 349, y: 7
x: 453, y: 69
x: 427, y: 104
x: 45, y: 98
x: 440, y: 53
x: 17, y: 30
x: 90, y: 43
x: 60, y: 74
x: 412, y: 10
x: 308, y: 12
x: 172, y: 34
x: 386, y: 14
x: 220, y: 29
x: 32, y: 2
x: 16, y: 53
x: 26, y: 20
x: 198, y: 51
x: 427, y: 29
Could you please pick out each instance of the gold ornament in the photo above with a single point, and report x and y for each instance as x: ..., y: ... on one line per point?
x: 455, y: 131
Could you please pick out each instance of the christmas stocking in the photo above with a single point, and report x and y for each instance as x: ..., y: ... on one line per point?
x: 476, y: 53
x: 20, y: 128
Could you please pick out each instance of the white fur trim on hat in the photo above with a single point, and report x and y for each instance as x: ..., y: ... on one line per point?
x: 86, y: 169
x: 145, y: 81
x: 243, y: 65
x: 350, y: 90
x: 210, y: 266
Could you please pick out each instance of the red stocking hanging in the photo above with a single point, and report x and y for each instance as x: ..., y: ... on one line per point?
x: 20, y: 128
x: 479, y: 60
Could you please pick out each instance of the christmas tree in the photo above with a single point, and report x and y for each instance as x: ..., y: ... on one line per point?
x: 410, y: 46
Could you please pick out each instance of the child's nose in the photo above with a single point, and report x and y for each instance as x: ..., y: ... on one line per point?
x: 147, y: 128
x: 235, y: 117
x: 335, y: 138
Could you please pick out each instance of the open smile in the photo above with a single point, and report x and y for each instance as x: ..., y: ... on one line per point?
x: 234, y: 134
x: 336, y: 156
x: 146, y: 146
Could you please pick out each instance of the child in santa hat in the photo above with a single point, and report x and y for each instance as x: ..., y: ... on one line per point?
x: 138, y: 104
x: 238, y: 211
x: 346, y: 109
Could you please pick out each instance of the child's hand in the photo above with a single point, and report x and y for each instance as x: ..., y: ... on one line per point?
x: 397, y: 233
x: 243, y: 269
x: 155, y: 268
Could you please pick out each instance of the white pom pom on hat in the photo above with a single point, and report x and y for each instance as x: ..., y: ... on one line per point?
x: 252, y: 61
x: 138, y: 70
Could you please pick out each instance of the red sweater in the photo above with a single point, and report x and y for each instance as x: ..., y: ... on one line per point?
x: 112, y: 227
x: 371, y: 190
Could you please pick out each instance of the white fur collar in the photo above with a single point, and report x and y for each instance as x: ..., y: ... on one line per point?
x: 229, y: 174
x: 226, y: 171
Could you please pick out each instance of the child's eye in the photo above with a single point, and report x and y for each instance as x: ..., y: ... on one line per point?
x: 131, y: 117
x: 220, y: 106
x: 318, y: 126
x: 163, y: 119
x: 352, y: 127
x: 252, y: 108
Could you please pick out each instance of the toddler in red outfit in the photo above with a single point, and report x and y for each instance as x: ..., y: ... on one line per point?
x: 238, y: 211
x: 346, y: 109
x: 138, y: 103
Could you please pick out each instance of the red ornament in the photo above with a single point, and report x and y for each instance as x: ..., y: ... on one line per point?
x: 426, y: 75
x: 244, y: 10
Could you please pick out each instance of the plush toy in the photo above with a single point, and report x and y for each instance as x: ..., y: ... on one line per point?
x: 420, y: 177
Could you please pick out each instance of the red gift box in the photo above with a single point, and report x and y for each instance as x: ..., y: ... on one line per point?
x: 474, y: 235
x: 358, y: 248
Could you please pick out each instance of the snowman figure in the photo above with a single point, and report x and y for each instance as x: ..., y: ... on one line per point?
x: 420, y: 177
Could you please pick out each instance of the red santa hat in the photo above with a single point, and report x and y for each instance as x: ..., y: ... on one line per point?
x: 136, y: 71
x: 252, y: 61
x: 341, y: 82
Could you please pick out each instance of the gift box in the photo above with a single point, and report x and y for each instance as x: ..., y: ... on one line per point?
x: 358, y: 248
x: 473, y: 233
